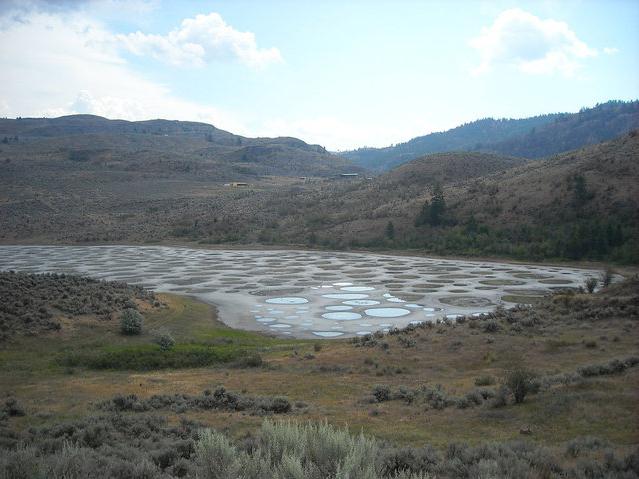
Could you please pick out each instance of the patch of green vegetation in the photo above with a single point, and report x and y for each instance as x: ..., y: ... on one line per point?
x: 201, y: 341
x: 146, y: 357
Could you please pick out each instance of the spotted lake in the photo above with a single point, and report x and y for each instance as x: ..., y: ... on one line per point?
x: 307, y: 293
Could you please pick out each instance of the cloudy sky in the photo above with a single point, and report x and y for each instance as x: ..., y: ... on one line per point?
x: 340, y: 74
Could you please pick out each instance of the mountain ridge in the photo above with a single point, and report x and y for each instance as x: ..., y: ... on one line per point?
x: 531, y: 138
x: 91, y: 139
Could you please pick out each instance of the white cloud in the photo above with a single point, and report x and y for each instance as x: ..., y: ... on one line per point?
x: 201, y: 40
x: 532, y: 45
x: 610, y: 50
x: 53, y: 64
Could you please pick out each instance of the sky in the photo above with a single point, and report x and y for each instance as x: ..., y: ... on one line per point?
x: 340, y: 74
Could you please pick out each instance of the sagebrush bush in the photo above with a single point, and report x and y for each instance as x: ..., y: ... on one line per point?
x: 491, y: 326
x: 501, y: 397
x: 406, y: 342
x: 31, y: 302
x: 145, y: 447
x: 484, y: 381
x: 165, y: 341
x: 616, y: 366
x: 578, y: 445
x: 216, y: 457
x: 131, y: 322
x: 219, y: 399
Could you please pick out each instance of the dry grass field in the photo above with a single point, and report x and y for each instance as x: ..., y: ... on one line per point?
x: 335, y: 379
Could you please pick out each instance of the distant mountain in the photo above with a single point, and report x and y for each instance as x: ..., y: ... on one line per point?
x: 531, y: 138
x: 165, y: 146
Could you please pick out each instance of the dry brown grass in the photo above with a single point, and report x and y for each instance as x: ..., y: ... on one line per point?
x: 338, y: 378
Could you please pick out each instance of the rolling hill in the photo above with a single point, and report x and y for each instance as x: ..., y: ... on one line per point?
x: 580, y: 204
x: 531, y: 138
x: 167, y: 186
x: 161, y: 146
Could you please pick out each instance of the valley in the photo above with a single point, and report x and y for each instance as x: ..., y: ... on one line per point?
x: 319, y: 240
x: 473, y: 314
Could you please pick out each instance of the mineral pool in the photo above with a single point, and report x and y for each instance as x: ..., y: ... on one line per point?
x: 308, y: 294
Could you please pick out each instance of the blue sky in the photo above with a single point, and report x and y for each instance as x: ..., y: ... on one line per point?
x: 341, y: 74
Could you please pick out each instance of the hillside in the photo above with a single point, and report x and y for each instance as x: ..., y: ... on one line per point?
x: 92, y: 143
x: 446, y: 168
x: 534, y: 137
x: 581, y: 204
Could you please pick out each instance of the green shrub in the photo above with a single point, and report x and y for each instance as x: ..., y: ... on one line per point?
x: 616, y: 366
x: 491, y: 326
x: 220, y: 399
x: 591, y: 284
x: 280, y: 405
x: 131, y: 322
x: 521, y: 382
x: 12, y: 408
x: 147, y: 357
x: 405, y: 394
x: 165, y: 341
x: 484, y: 381
x: 382, y: 392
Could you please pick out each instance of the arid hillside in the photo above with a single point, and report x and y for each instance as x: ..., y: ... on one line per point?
x: 591, y: 193
x: 100, y: 147
x: 581, y: 204
x: 576, y: 205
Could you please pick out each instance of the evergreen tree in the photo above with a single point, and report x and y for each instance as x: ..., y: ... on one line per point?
x: 437, y: 206
x: 424, y: 215
x: 390, y: 230
x: 471, y: 226
x: 581, y: 193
